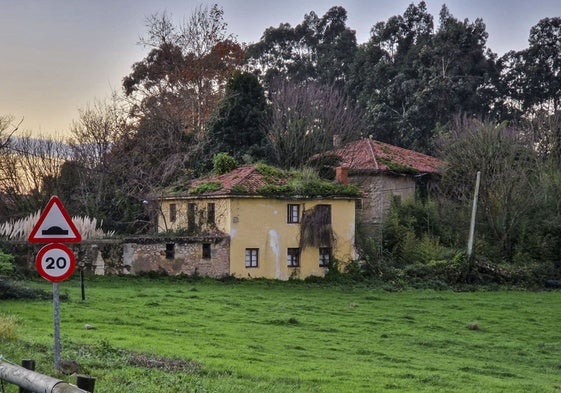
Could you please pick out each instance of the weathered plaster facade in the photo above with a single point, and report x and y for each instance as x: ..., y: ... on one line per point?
x: 260, y: 223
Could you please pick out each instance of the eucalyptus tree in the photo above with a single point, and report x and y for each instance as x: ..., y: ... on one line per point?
x: 318, y: 49
x: 411, y: 79
x: 531, y: 78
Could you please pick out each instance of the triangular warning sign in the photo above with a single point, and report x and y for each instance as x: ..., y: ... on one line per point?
x: 54, y: 225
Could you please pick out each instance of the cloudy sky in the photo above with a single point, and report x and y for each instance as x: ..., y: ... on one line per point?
x: 57, y: 56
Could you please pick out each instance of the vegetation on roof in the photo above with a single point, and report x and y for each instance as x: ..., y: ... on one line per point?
x: 398, y: 167
x: 303, y: 182
x: 203, y: 188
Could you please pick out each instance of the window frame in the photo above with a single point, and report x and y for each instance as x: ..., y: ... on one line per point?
x: 290, y: 216
x: 323, y: 252
x: 251, y: 258
x: 293, y: 257
x: 211, y: 213
x: 206, y: 251
x: 172, y: 212
x: 191, y: 216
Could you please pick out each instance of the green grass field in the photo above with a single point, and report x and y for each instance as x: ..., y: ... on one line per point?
x: 262, y: 336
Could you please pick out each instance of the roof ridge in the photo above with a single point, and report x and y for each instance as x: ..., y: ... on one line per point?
x: 370, y: 141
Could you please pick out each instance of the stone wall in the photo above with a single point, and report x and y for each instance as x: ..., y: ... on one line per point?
x: 204, y: 255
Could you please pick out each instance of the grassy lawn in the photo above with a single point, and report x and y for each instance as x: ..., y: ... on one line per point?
x: 263, y: 336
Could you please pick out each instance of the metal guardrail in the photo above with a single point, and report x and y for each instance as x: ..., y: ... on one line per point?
x: 35, y: 382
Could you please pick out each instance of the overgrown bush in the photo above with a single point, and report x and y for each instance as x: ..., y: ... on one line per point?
x: 8, y: 327
x: 15, y: 291
x: 224, y: 163
x: 6, y: 264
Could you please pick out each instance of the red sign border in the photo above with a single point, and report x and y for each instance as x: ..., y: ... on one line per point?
x: 44, y: 250
x: 54, y: 200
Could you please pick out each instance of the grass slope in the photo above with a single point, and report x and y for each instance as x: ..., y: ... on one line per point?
x: 263, y: 336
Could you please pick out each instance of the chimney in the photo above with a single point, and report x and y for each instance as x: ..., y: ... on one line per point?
x: 342, y: 174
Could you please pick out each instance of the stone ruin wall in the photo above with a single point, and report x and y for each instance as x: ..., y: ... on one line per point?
x: 138, y: 255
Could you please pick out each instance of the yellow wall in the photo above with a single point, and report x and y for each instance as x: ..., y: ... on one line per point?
x: 261, y: 223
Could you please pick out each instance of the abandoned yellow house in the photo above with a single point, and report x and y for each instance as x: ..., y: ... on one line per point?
x: 278, y: 226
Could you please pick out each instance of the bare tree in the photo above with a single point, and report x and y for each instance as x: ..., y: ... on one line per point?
x: 29, y: 170
x: 7, y: 130
x: 305, y: 118
x: 86, y: 179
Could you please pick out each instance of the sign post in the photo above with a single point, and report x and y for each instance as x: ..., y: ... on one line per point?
x: 55, y: 262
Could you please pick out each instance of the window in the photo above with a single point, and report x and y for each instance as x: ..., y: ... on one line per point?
x: 191, y: 209
x: 325, y: 212
x: 358, y: 204
x: 206, y: 250
x: 293, y: 214
x: 170, y: 250
x: 324, y: 256
x: 172, y: 212
x: 251, y: 257
x: 293, y: 257
x: 211, y: 215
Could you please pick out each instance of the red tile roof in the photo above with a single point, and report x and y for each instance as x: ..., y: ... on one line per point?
x: 246, y: 178
x: 369, y: 154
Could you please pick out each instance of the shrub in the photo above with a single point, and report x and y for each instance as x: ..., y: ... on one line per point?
x: 224, y: 163
x: 8, y: 327
x: 10, y: 290
x: 6, y: 264
x: 206, y: 187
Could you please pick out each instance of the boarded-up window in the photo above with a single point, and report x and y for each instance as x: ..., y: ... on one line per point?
x: 316, y: 230
x: 211, y: 213
x: 191, y: 216
x: 172, y: 212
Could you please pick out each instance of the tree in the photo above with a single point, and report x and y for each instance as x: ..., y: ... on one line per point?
x: 532, y: 77
x: 28, y: 173
x: 237, y: 125
x: 172, y: 93
x: 509, y: 192
x: 411, y: 80
x: 318, y: 49
x: 7, y: 130
x: 305, y: 117
x: 184, y: 74
x: 87, y: 182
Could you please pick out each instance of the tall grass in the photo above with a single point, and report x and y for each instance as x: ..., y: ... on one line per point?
x: 262, y: 336
x: 88, y: 227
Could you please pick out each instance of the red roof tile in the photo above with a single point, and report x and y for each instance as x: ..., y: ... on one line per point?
x: 369, y: 154
x: 245, y: 178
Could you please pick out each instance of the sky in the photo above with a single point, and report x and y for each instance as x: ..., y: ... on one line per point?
x: 59, y: 56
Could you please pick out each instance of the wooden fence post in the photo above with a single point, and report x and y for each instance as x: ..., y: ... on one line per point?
x: 28, y: 364
x: 85, y: 382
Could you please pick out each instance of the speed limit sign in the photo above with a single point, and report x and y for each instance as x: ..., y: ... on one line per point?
x: 55, y: 262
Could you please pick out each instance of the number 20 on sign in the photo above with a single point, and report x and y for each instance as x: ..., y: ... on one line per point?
x: 55, y: 262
